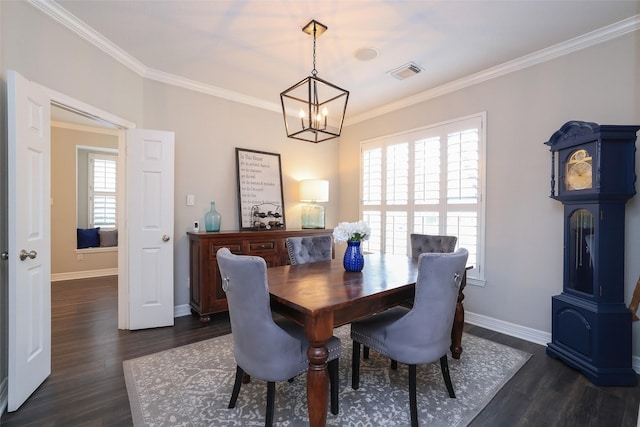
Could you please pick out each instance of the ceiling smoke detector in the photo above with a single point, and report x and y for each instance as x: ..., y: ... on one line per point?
x: 366, y: 53
x: 405, y: 71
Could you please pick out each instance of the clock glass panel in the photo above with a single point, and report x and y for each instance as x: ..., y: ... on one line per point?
x: 578, y: 171
x: 581, y: 251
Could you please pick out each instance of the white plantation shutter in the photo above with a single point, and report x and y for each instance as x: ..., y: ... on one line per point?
x: 372, y: 176
x: 397, y: 179
x: 374, y: 219
x: 427, y: 171
x: 372, y: 195
x: 426, y: 181
x: 102, y: 190
x: 463, y: 188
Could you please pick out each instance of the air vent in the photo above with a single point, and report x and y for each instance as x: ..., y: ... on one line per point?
x: 407, y: 70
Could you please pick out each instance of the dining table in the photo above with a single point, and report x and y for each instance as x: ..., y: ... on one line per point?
x: 322, y: 296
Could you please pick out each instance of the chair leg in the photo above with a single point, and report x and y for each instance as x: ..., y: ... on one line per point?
x: 271, y: 398
x: 236, y: 387
x: 413, y: 401
x: 394, y: 364
x: 334, y: 384
x: 444, y: 365
x: 365, y: 352
x: 355, y: 366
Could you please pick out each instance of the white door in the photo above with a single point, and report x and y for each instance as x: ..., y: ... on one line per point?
x: 29, y: 164
x: 149, y: 193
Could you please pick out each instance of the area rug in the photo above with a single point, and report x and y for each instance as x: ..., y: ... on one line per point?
x: 191, y: 386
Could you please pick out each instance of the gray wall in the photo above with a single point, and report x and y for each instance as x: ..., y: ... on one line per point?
x: 524, y: 226
x: 207, y: 131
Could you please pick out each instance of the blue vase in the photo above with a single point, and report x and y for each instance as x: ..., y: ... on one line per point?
x: 212, y: 219
x: 353, y: 259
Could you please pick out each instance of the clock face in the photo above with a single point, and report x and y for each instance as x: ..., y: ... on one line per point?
x: 578, y: 174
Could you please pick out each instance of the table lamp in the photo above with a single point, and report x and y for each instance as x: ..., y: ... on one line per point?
x: 313, y: 191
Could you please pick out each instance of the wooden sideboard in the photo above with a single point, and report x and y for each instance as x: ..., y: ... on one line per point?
x: 205, y: 290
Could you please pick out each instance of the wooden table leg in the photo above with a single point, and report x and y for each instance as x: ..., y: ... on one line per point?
x: 458, y: 322
x: 318, y: 332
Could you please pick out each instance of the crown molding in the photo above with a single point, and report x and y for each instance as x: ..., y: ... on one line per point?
x: 592, y: 38
x: 172, y: 79
x: 64, y: 17
x: 58, y: 13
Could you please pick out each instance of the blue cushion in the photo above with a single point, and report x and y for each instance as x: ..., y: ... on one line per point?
x: 88, y: 237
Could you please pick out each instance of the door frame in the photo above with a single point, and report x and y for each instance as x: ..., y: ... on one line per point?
x: 87, y: 110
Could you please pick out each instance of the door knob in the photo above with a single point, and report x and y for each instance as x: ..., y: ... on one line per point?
x: 4, y: 255
x: 165, y: 238
x: 24, y: 255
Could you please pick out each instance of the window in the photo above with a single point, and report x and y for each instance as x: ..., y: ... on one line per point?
x: 102, y: 190
x: 427, y: 181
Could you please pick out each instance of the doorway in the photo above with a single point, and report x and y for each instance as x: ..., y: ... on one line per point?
x: 73, y: 145
x: 70, y: 110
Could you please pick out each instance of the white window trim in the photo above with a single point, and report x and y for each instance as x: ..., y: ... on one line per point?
x: 102, y: 156
x: 475, y: 276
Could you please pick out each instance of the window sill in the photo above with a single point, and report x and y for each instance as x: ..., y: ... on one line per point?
x: 476, y: 282
x: 97, y: 250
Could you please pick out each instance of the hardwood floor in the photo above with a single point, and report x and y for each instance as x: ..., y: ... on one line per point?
x: 86, y: 386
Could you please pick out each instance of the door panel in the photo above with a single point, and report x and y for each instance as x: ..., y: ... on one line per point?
x: 29, y: 164
x: 150, y: 168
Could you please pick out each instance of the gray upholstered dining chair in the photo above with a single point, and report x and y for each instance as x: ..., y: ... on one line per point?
x: 428, y: 243
x: 263, y: 348
x: 421, y: 334
x: 420, y: 244
x: 309, y: 248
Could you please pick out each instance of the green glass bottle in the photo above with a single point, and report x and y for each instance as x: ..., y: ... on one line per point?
x: 212, y: 219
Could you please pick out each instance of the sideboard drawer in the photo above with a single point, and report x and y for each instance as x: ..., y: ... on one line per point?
x: 235, y: 248
x: 264, y: 246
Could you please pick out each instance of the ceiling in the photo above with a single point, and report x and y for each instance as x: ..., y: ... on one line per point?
x: 251, y: 50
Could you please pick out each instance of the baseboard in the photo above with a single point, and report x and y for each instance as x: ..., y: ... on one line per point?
x: 4, y: 396
x: 522, y: 332
x: 181, y: 310
x: 87, y: 274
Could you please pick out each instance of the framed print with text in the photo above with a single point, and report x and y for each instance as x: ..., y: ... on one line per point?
x: 260, y: 195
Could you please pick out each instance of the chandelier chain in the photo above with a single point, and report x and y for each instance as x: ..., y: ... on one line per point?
x: 314, y: 72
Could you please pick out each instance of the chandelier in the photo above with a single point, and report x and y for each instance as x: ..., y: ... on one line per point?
x: 313, y: 109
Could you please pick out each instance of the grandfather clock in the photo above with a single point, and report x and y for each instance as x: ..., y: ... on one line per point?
x: 591, y: 326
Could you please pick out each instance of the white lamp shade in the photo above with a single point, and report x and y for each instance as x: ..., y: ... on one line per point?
x: 314, y: 190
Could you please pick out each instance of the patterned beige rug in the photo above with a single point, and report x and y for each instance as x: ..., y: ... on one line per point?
x: 191, y: 386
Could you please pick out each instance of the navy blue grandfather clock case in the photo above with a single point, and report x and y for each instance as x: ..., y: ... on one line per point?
x: 591, y: 326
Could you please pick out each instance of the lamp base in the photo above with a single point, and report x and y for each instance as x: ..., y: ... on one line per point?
x: 313, y: 216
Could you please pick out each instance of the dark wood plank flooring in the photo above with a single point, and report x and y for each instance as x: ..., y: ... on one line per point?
x: 87, y: 388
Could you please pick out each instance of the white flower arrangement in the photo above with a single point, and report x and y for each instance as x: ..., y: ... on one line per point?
x: 351, y: 232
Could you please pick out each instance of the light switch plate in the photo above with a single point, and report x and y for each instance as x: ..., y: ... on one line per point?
x: 191, y: 200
